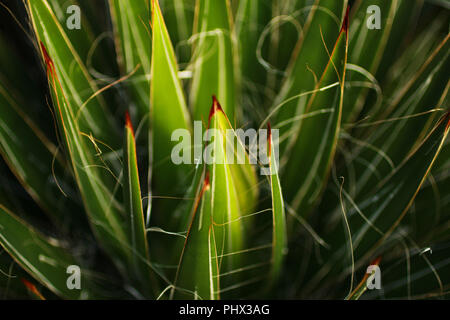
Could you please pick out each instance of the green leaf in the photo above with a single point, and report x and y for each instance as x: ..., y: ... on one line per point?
x: 407, y: 117
x: 222, y: 219
x: 306, y: 160
x: 86, y: 105
x: 382, y: 152
x: 279, y: 237
x: 83, y: 38
x: 225, y: 206
x: 285, y: 31
x: 10, y: 278
x: 415, y: 272
x: 251, y: 18
x: 433, y: 215
x: 213, y: 59
x: 104, y: 212
x: 308, y: 61
x: 43, y: 258
x: 198, y: 269
x: 404, y: 26
x: 133, y: 208
x: 95, y: 180
x: 367, y: 48
x: 375, y: 217
x: 179, y: 17
x: 241, y: 167
x: 168, y: 109
x: 398, y: 70
x: 21, y: 142
x: 132, y: 36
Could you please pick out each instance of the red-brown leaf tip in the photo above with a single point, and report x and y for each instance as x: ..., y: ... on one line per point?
x: 215, y: 107
x: 128, y: 119
x: 377, y: 261
x: 128, y: 122
x: 32, y: 288
x: 345, y: 23
x: 206, y: 183
x: 48, y: 61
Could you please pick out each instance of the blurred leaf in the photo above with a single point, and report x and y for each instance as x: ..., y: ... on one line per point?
x: 87, y: 106
x: 10, y: 274
x: 367, y: 47
x: 408, y: 116
x: 179, y: 17
x: 252, y: 17
x: 413, y: 272
x: 307, y: 159
x: 307, y: 64
x: 289, y: 18
x: 213, y: 59
x: 32, y: 158
x: 362, y: 286
x: 374, y: 218
x: 279, y: 242
x: 43, y: 258
x: 431, y: 209
x: 133, y: 44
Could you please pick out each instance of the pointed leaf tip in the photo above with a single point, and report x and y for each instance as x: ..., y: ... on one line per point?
x: 269, y: 137
x: 32, y: 288
x: 345, y: 23
x: 48, y: 61
x: 215, y: 107
x: 207, y: 181
x: 128, y: 119
x: 128, y: 122
x: 376, y: 261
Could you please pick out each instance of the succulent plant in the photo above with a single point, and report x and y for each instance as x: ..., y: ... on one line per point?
x: 217, y: 149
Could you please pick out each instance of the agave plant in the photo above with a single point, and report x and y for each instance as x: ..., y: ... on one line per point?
x: 116, y: 138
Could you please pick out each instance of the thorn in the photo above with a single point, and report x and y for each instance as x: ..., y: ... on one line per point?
x: 345, y: 23
x: 128, y: 122
x: 376, y: 261
x: 206, y: 183
x: 269, y: 138
x: 215, y: 107
x: 48, y: 61
x: 32, y: 288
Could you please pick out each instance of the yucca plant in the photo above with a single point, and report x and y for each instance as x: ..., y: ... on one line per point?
x: 116, y: 139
